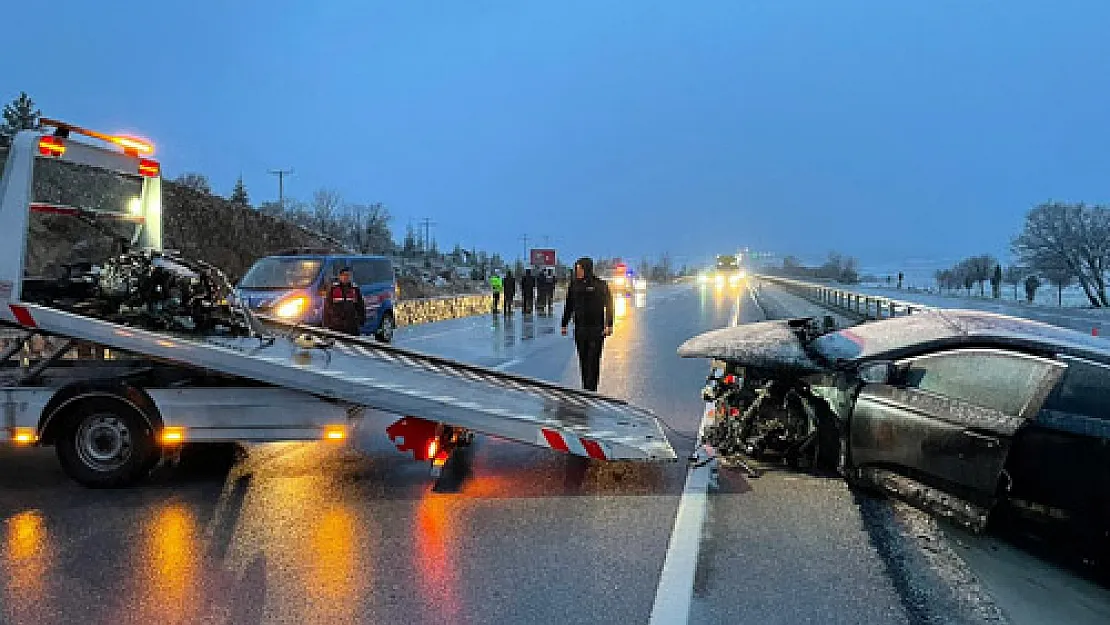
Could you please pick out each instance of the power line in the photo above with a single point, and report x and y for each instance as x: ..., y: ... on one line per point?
x: 281, y: 174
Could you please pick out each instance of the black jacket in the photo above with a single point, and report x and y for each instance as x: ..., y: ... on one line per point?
x: 344, y: 308
x: 528, y: 284
x: 589, y: 303
x: 508, y: 283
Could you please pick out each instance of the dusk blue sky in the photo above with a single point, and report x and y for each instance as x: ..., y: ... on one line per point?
x: 893, y: 131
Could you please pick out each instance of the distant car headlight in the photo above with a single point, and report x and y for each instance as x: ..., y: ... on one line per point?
x: 703, y: 279
x: 291, y: 308
x: 720, y: 280
x: 619, y: 281
x: 734, y: 280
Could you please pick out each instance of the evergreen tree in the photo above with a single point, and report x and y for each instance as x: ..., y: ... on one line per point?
x: 409, y: 246
x: 19, y: 114
x: 239, y: 193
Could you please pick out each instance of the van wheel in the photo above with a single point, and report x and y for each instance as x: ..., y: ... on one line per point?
x: 106, y: 444
x: 387, y: 328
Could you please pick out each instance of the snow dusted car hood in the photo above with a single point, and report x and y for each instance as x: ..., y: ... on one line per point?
x: 764, y: 345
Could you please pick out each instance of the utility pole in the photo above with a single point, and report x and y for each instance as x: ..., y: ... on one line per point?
x: 281, y: 174
x: 428, y: 223
x: 525, y: 239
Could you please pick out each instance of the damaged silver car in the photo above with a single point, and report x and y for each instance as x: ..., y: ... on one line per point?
x: 964, y: 413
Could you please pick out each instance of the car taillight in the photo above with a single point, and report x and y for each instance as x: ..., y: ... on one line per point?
x: 730, y: 379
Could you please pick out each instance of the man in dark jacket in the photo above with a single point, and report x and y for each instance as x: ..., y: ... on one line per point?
x: 509, y: 284
x: 344, y: 308
x: 528, y: 290
x: 590, y: 304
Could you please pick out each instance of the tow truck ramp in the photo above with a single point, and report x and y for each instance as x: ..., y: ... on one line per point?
x: 395, y: 380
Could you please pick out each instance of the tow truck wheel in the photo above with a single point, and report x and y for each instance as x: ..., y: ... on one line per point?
x: 385, y: 332
x: 106, y: 444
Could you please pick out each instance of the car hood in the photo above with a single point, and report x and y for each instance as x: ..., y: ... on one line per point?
x: 774, y: 345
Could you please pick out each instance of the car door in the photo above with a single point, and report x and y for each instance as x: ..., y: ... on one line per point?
x: 948, y: 418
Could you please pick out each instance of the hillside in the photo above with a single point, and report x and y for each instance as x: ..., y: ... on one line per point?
x: 197, y: 224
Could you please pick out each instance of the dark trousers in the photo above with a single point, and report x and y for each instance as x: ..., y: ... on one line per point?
x: 509, y: 297
x: 528, y: 298
x: 496, y: 302
x: 589, y: 356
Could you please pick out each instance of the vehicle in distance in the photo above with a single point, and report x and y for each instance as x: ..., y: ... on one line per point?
x: 623, y: 280
x: 964, y: 413
x: 292, y: 287
x: 726, y: 272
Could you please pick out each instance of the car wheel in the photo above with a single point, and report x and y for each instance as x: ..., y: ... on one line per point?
x: 386, y: 330
x: 106, y: 443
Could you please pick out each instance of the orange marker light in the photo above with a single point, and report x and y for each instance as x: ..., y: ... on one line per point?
x: 52, y: 146
x: 433, y: 447
x: 24, y: 436
x: 173, y: 435
x: 132, y: 144
x: 335, y: 433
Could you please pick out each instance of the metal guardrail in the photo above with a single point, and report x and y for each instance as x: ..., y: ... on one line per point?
x: 860, y: 304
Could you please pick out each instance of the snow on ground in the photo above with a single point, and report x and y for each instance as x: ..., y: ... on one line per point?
x: 1083, y: 320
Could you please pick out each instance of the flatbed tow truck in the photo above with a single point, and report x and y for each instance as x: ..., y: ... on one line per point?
x: 115, y: 400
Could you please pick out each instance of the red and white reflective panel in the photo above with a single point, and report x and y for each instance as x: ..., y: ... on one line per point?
x: 571, y: 444
x: 22, y: 315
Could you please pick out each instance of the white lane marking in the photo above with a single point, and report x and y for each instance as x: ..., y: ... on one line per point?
x: 508, y: 363
x: 675, y: 592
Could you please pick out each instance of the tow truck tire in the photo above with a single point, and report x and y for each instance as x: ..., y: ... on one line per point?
x: 105, y: 443
x: 385, y: 331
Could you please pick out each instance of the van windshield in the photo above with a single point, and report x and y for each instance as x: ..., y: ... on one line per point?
x: 282, y: 273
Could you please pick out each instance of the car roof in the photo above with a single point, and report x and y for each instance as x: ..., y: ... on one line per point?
x: 940, y: 329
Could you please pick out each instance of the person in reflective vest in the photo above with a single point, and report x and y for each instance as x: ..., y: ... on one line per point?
x: 496, y: 284
x: 344, y: 308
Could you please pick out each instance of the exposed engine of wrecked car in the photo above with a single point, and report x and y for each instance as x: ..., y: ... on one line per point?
x: 147, y: 289
x: 772, y: 414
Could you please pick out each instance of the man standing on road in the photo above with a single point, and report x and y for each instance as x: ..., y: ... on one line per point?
x: 528, y: 290
x: 496, y: 285
x: 510, y: 292
x: 344, y: 308
x: 590, y: 304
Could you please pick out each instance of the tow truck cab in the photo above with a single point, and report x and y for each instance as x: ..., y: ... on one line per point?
x: 725, y: 273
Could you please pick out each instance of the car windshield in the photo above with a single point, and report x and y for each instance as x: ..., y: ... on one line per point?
x: 282, y: 273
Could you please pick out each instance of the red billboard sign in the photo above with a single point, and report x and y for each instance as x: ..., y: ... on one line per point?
x: 542, y: 257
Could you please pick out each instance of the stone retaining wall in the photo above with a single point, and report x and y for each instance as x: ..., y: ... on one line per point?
x: 414, y: 311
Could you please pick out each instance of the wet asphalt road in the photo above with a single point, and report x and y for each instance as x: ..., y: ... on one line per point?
x: 311, y: 533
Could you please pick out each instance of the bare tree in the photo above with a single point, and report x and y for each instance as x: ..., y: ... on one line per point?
x: 194, y: 181
x: 325, y: 212
x: 979, y: 270
x: 1073, y: 235
x: 367, y: 228
x: 1013, y: 275
x: 1059, y: 275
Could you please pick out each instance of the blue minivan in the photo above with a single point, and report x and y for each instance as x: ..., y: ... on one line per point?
x: 292, y: 286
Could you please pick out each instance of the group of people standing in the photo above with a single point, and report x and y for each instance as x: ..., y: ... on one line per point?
x: 536, y: 292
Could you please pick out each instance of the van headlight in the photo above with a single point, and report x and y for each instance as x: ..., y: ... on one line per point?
x: 291, y: 308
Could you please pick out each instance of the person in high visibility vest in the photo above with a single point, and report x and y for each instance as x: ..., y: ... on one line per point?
x: 496, y: 284
x: 344, y: 308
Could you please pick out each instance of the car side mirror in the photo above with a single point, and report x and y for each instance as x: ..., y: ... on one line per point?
x: 878, y: 372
